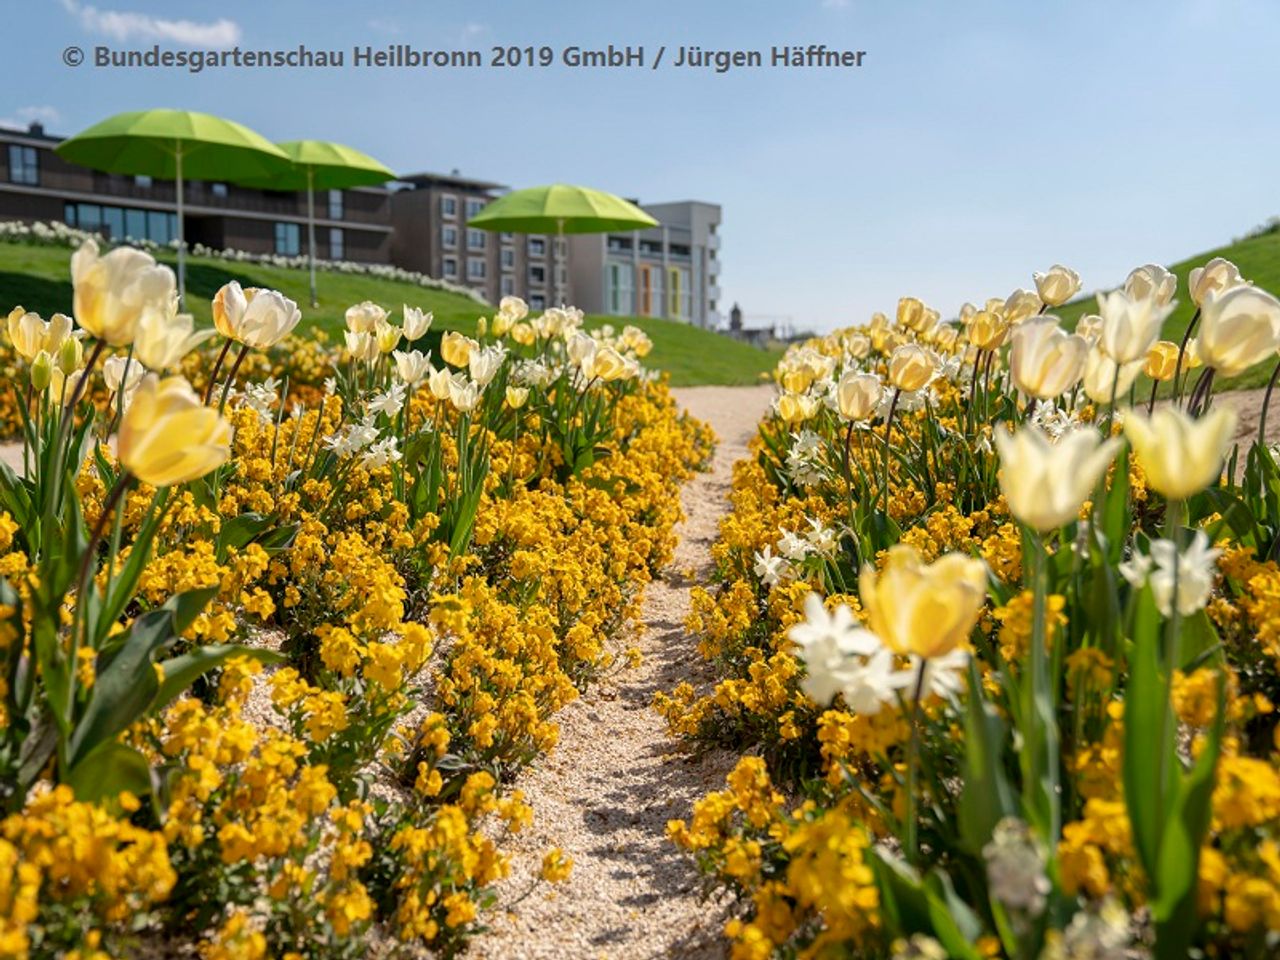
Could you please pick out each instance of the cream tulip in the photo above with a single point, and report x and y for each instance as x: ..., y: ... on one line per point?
x: 1021, y: 305
x: 1057, y: 285
x: 911, y: 367
x: 858, y: 395
x: 1105, y: 380
x: 121, y: 373
x: 168, y: 436
x: 1130, y: 324
x: 1151, y: 281
x: 416, y: 322
x: 1045, y: 361
x: 1045, y: 482
x: 439, y: 382
x: 163, y: 339
x: 364, y: 317
x: 1217, y: 276
x: 361, y: 345
x: 987, y: 330
x: 607, y: 365
x: 27, y: 333
x: 923, y: 610
x: 255, y: 317
x: 1239, y: 327
x: 513, y: 309
x: 464, y: 395
x: 111, y: 292
x: 1181, y: 456
x: 412, y: 366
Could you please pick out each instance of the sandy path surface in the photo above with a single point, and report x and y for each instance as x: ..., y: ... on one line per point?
x: 606, y: 792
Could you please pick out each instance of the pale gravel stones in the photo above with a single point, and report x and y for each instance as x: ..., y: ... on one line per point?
x: 605, y: 793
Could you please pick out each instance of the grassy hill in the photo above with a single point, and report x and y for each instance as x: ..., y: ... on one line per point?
x: 39, y: 278
x: 1259, y: 261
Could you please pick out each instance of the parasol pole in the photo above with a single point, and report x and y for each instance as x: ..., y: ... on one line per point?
x: 311, y: 230
x: 182, y: 233
x: 559, y: 254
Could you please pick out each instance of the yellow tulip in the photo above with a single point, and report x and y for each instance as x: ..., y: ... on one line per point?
x: 456, y: 348
x: 987, y: 330
x: 1046, y: 361
x: 168, y: 436
x: 523, y: 334
x: 1179, y: 455
x: 164, y: 339
x: 858, y: 395
x: 1162, y: 361
x: 608, y: 365
x: 797, y: 379
x: 919, y: 609
x: 388, y: 336
x: 1057, y: 285
x: 516, y: 397
x: 858, y: 345
x: 111, y: 292
x: 1021, y: 305
x: 26, y: 333
x: 911, y: 313
x: 1045, y: 482
x: 911, y: 367
x: 796, y: 408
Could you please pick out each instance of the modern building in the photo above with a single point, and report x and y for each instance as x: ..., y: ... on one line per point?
x: 37, y: 184
x: 430, y: 215
x: 671, y: 270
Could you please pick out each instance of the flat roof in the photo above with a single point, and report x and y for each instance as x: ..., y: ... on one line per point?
x: 425, y: 179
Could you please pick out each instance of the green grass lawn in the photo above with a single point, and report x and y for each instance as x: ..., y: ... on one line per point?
x: 39, y: 278
x: 1259, y: 261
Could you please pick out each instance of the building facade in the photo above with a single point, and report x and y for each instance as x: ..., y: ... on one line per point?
x: 430, y: 214
x: 37, y: 184
x: 670, y: 271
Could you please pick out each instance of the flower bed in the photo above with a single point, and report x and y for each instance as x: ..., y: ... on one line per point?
x: 998, y: 642
x: 271, y: 662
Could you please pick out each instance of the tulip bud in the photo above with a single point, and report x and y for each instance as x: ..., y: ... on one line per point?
x: 1057, y: 285
x: 911, y: 367
x: 1181, y: 456
x: 797, y: 379
x: 482, y: 326
x: 70, y: 355
x: 41, y: 370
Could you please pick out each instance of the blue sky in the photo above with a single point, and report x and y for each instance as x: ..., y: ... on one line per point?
x: 980, y: 140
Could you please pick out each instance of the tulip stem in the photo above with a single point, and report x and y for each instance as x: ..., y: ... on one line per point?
x: 213, y: 374
x: 1151, y: 402
x: 888, y: 428
x: 231, y: 378
x: 1178, y: 381
x: 1266, y: 404
x: 913, y: 753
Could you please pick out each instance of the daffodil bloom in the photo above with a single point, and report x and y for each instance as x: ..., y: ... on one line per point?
x: 1046, y: 482
x: 168, y: 436
x: 858, y: 395
x: 1217, y: 276
x: 911, y: 367
x: 1046, y: 361
x: 925, y: 610
x: 112, y: 292
x: 1239, y: 327
x: 1057, y: 285
x: 1179, y: 455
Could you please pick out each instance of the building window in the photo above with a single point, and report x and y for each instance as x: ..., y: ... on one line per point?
x: 475, y: 268
x: 449, y: 206
x: 475, y: 239
x: 135, y: 224
x: 508, y: 285
x: 508, y: 237
x: 142, y: 180
x: 449, y: 236
x: 335, y: 204
x: 537, y: 302
x: 619, y: 293
x: 24, y: 165
x: 117, y: 223
x: 537, y: 247
x: 450, y: 267
x: 508, y: 259
x: 538, y: 276
x: 675, y: 288
x: 474, y: 206
x: 218, y: 189
x: 337, y: 244
x: 288, y: 239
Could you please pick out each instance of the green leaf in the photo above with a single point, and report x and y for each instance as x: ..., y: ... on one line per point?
x: 986, y: 797
x: 108, y: 770
x: 954, y: 924
x: 183, y: 670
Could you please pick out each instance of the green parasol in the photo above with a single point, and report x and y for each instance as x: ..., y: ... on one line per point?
x: 561, y: 209
x: 171, y: 145
x: 321, y: 165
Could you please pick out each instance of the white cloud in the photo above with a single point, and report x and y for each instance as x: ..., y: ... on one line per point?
x: 26, y: 115
x: 123, y: 26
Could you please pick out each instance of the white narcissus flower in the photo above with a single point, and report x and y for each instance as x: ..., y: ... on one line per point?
x: 389, y: 403
x: 1179, y: 455
x: 1057, y: 285
x: 1151, y: 281
x: 944, y: 675
x: 1194, y: 570
x: 827, y: 642
x: 1105, y: 381
x: 1130, y: 325
x: 1239, y: 327
x: 1045, y: 361
x: 1046, y: 483
x: 769, y: 568
x: 1217, y: 276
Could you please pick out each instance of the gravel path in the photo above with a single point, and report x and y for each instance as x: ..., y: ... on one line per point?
x: 606, y: 792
